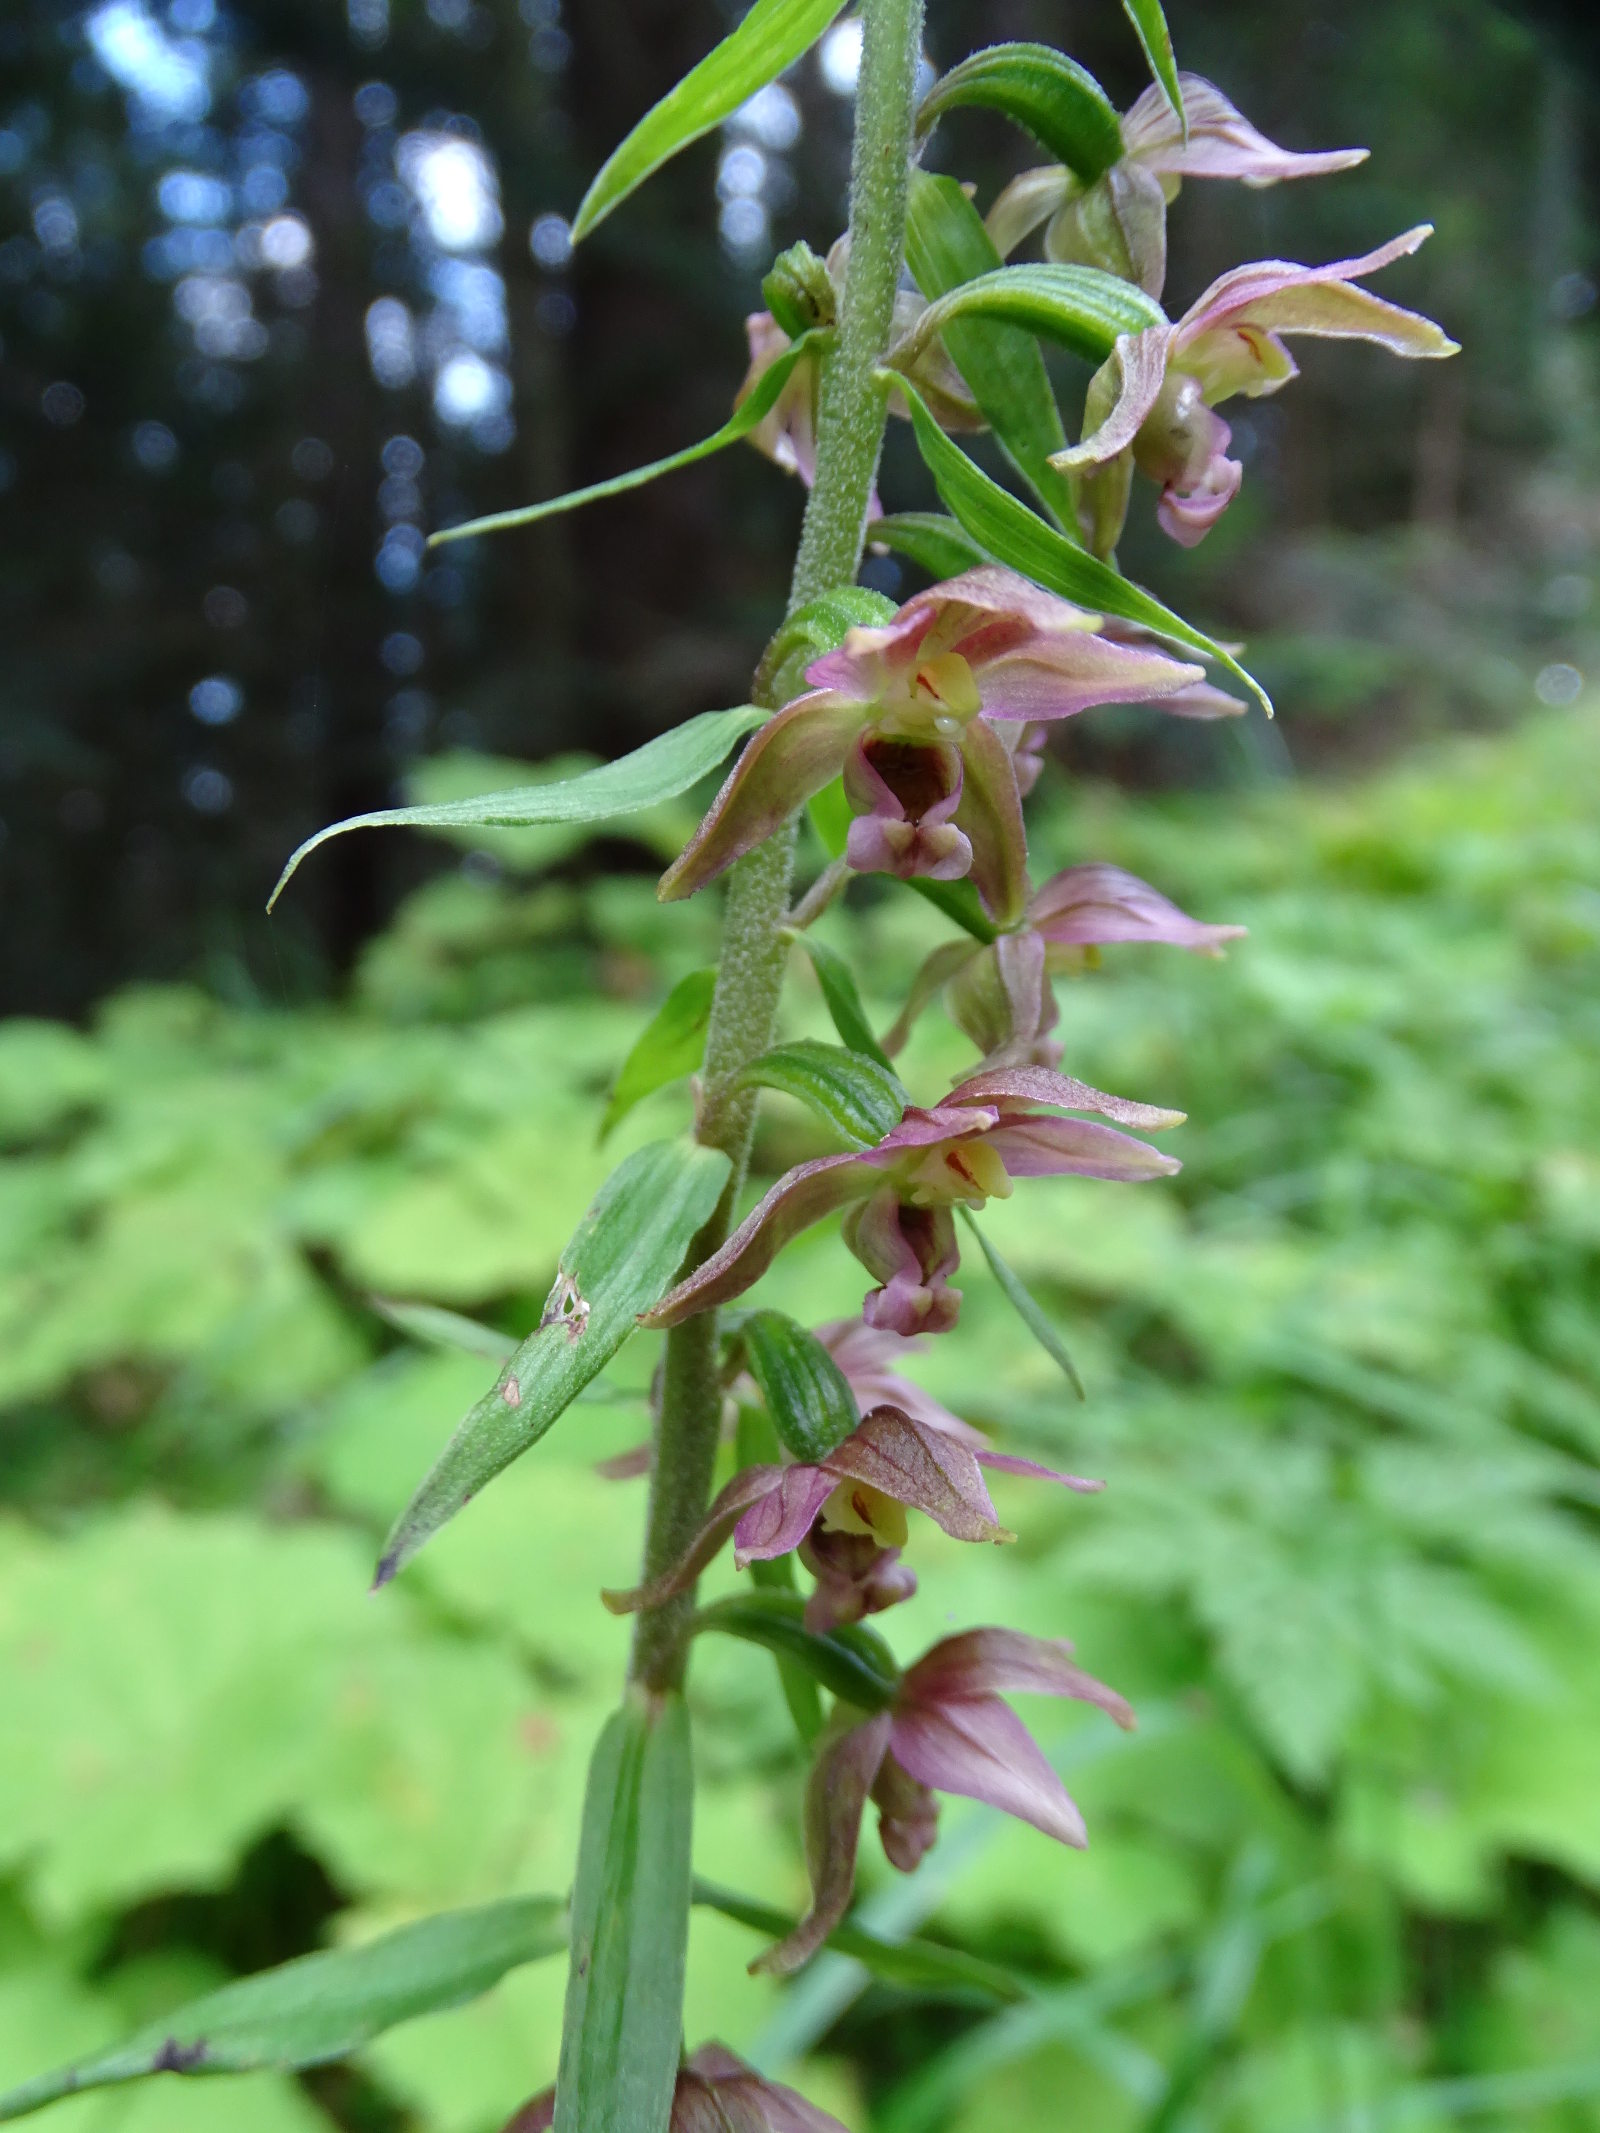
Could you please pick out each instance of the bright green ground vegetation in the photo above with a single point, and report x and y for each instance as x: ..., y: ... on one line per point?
x: 1345, y: 1389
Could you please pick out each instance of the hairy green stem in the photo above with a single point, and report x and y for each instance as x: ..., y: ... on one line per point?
x: 750, y: 977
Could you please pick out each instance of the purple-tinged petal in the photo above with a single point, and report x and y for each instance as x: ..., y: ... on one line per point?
x: 988, y: 813
x: 791, y: 757
x: 1028, y: 745
x: 984, y: 1662
x: 1188, y: 515
x: 998, y: 999
x: 631, y: 1465
x: 745, y: 1489
x: 1030, y: 1470
x: 873, y: 659
x: 836, y: 1797
x: 1228, y: 336
x: 1077, y: 1147
x: 1042, y: 1085
x: 921, y: 1467
x: 801, y: 1196
x: 867, y: 1357
x: 1203, y: 701
x: 1097, y: 905
x: 922, y: 1128
x: 856, y: 1576
x: 912, y: 1251
x: 746, y: 2101
x: 787, y: 433
x: 978, y: 1747
x: 779, y: 1519
x: 1058, y: 677
x: 908, y: 1816
x: 1121, y: 395
x: 1222, y: 143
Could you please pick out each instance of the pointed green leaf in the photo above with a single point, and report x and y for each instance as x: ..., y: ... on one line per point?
x: 438, y: 1328
x: 947, y: 246
x: 671, y: 1045
x: 958, y: 900
x: 748, y: 415
x: 621, y: 1260
x: 1027, y: 1307
x: 855, y: 1095
x: 1049, y: 95
x: 844, y: 1002
x: 807, y: 1394
x: 323, y: 2006
x: 772, y: 36
x: 919, y: 1965
x: 1151, y: 25
x: 853, y: 1662
x: 1081, y: 307
x: 930, y: 539
x: 661, y: 769
x: 623, y: 2025
x: 1016, y: 536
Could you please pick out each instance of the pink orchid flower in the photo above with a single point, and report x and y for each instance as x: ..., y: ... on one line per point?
x: 1153, y: 403
x: 716, y: 2093
x: 946, y: 1730
x: 989, y: 1131
x: 908, y: 711
x: 1119, y: 222
x: 862, y: 1488
x: 1000, y: 995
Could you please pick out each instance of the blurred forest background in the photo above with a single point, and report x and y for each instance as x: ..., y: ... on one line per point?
x: 284, y: 284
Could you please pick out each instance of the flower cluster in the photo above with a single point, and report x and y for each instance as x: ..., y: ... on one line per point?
x: 929, y: 726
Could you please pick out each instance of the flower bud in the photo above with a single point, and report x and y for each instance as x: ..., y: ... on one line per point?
x: 1118, y: 224
x: 799, y: 292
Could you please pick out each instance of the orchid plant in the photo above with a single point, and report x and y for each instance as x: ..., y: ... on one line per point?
x: 913, y: 734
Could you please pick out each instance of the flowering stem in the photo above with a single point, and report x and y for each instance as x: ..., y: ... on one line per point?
x: 750, y: 977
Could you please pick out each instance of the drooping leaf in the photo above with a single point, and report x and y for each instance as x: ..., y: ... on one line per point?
x: 620, y: 1261
x: 1014, y: 535
x: 958, y: 900
x: 852, y: 1662
x: 858, y: 1097
x: 436, y: 1327
x: 1052, y: 97
x: 772, y: 36
x: 919, y: 1965
x: 320, y: 2007
x: 672, y: 1044
x: 661, y: 769
x: 622, y: 2028
x: 930, y: 539
x: 750, y: 412
x: 947, y: 246
x: 1026, y: 1307
x: 844, y: 1002
x: 1081, y: 307
x: 808, y: 1396
x: 1151, y: 26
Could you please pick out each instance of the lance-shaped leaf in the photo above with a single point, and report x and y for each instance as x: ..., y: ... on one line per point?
x: 320, y: 2007
x: 622, y: 2029
x: 750, y: 413
x: 772, y: 36
x: 660, y: 770
x: 620, y: 1261
x: 860, y: 1098
x: 672, y: 1044
x: 1026, y: 1307
x: 930, y: 539
x: 920, y: 1965
x: 1007, y: 530
x: 947, y: 246
x: 1150, y: 25
x: 1050, y: 96
x: 808, y: 1396
x: 1081, y: 307
x: 852, y: 1662
x: 844, y: 1002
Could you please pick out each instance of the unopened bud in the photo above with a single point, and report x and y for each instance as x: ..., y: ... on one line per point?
x: 798, y: 292
x: 1118, y: 224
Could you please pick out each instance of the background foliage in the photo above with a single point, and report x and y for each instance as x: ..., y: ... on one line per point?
x: 1345, y: 1372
